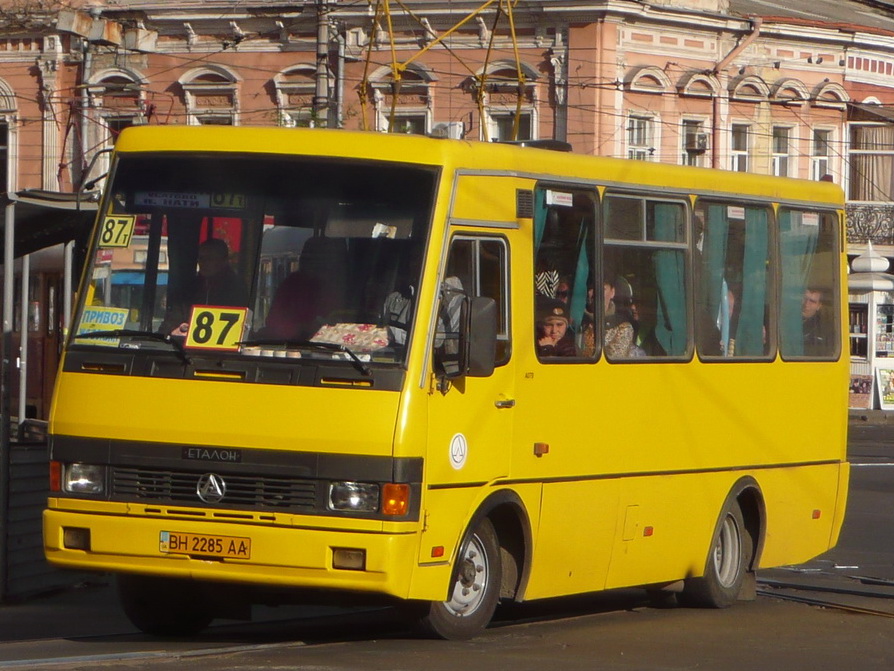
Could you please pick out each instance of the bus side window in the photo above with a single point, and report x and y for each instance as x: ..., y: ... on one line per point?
x: 644, y: 272
x: 733, y: 289
x: 565, y: 292
x: 809, y: 298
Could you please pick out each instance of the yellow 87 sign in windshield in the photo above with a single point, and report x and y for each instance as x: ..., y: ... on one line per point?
x: 217, y: 328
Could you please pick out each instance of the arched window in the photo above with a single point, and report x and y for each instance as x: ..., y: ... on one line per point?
x: 647, y: 79
x: 414, y: 105
x: 212, y: 96
x: 501, y: 101
x: 118, y: 98
x: 7, y: 137
x: 748, y: 88
x: 295, y: 90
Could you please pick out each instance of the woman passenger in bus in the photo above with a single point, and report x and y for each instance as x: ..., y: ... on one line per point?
x: 619, y: 332
x: 554, y: 337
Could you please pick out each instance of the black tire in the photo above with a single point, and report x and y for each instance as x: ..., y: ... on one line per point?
x: 164, y: 606
x: 474, y: 592
x: 726, y: 565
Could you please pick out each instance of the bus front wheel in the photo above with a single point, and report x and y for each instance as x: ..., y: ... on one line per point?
x: 474, y: 591
x: 163, y: 606
x: 726, y: 565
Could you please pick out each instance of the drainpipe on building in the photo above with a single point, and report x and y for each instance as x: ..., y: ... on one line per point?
x: 340, y: 83
x: 719, y: 67
x: 321, y: 95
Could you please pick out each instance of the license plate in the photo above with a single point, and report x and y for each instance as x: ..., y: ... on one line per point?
x: 176, y: 542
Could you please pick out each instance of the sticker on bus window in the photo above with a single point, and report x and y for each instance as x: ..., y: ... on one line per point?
x: 117, y: 230
x: 217, y: 328
x: 810, y: 219
x: 735, y: 212
x: 100, y: 318
x: 560, y: 198
x: 171, y: 199
x: 232, y: 201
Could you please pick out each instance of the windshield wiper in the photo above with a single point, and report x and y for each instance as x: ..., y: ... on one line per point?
x: 147, y: 335
x: 359, y: 364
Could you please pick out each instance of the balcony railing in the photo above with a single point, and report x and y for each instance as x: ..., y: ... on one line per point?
x: 870, y: 222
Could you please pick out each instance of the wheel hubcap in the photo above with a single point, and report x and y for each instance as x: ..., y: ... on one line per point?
x: 471, y: 579
x: 728, y: 552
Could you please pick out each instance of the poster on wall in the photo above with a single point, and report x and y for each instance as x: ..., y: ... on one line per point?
x: 884, y: 379
x: 860, y: 395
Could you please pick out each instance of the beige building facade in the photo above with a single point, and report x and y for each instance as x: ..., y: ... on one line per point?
x: 801, y: 89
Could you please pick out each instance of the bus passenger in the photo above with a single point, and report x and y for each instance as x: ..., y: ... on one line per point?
x: 618, y: 327
x: 817, y: 329
x: 554, y: 338
x: 215, y: 283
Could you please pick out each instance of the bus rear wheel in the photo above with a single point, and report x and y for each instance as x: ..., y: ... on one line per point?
x: 475, y: 589
x: 164, y: 606
x: 726, y: 565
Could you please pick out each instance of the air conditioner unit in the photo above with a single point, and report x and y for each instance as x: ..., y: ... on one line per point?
x: 453, y: 130
x: 697, y: 142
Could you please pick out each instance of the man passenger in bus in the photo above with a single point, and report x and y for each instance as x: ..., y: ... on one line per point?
x: 554, y: 338
x: 816, y: 326
x: 215, y: 282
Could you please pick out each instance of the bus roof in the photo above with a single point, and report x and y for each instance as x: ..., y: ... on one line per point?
x: 470, y: 155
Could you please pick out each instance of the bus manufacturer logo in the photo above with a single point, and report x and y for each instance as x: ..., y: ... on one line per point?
x: 211, y: 488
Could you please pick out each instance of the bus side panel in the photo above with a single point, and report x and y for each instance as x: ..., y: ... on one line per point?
x: 805, y: 510
x: 574, y: 541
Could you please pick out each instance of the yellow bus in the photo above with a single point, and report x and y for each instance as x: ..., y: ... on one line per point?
x: 353, y: 366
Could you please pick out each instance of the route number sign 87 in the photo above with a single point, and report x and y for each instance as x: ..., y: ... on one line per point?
x: 215, y: 327
x: 117, y: 230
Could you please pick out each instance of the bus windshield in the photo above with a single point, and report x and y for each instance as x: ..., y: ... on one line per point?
x: 260, y: 256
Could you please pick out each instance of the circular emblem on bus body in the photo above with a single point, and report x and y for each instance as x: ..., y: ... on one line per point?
x: 211, y: 488
x: 459, y: 451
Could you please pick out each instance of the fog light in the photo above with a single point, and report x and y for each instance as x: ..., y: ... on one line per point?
x: 358, y: 497
x: 84, y: 479
x: 349, y: 559
x: 76, y: 538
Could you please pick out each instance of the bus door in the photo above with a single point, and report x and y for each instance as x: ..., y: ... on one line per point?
x: 470, y: 418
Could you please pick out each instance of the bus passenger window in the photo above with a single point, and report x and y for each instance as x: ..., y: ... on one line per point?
x: 809, y: 308
x: 644, y: 278
x: 564, y: 274
x: 733, y: 292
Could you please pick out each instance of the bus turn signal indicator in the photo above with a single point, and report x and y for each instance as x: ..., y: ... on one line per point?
x: 395, y: 499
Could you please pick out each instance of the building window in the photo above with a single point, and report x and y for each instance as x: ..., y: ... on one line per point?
x: 503, y: 124
x: 782, y: 151
x: 295, y: 91
x: 406, y: 108
x: 695, y: 142
x: 820, y: 154
x: 4, y: 156
x: 740, y: 147
x: 211, y: 97
x: 503, y: 86
x: 871, y: 162
x: 640, y: 145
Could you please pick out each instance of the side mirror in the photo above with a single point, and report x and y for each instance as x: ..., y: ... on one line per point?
x: 481, y: 339
x: 466, y: 340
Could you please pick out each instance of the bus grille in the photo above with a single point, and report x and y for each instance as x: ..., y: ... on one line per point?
x: 243, y: 491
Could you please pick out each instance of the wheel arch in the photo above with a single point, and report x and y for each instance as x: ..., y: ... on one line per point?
x: 510, y: 520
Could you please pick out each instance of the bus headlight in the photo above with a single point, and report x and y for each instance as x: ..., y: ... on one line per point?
x: 84, y: 479
x: 357, y: 497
